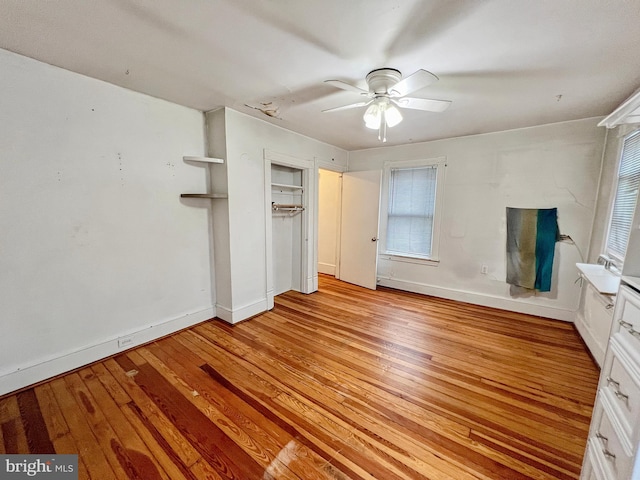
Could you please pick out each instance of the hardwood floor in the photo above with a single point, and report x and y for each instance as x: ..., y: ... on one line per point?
x: 343, y: 383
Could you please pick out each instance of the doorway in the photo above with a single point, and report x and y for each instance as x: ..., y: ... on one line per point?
x: 348, y: 211
x: 329, y: 214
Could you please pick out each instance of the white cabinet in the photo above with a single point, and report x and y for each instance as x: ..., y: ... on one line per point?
x: 615, y: 426
x: 594, y: 321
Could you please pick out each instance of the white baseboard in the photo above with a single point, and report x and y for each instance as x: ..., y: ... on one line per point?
x: 479, y: 299
x: 311, y: 284
x: 45, y: 368
x: 326, y: 268
x: 270, y: 299
x: 242, y: 313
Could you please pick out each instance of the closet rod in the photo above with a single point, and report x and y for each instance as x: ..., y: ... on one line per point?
x: 286, y: 207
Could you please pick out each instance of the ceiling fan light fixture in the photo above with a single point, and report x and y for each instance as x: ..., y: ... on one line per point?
x: 380, y: 112
x: 393, y: 116
x: 372, y: 116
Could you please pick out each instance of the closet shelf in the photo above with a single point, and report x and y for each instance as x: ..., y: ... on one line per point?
x: 204, y: 195
x: 192, y: 158
x: 283, y: 185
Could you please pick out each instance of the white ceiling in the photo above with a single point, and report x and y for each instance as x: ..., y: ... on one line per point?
x: 504, y: 63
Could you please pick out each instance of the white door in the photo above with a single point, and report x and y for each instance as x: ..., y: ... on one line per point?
x: 359, y: 227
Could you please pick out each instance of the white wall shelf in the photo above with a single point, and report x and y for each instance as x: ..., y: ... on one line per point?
x: 204, y: 195
x: 191, y: 158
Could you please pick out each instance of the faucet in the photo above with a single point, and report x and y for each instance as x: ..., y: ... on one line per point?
x: 607, y: 262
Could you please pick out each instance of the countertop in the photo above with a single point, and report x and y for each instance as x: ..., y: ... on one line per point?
x: 603, y: 280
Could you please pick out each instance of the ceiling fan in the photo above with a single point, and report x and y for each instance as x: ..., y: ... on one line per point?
x: 387, y: 91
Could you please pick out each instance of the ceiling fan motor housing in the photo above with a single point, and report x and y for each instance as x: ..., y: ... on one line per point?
x: 381, y: 80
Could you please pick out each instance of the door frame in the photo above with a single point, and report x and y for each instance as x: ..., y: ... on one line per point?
x: 338, y: 225
x: 329, y: 164
x: 308, y: 250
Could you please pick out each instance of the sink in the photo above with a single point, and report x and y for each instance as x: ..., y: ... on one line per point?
x: 593, y: 269
x: 604, y: 281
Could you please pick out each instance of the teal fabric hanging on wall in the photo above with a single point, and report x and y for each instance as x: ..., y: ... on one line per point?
x: 531, y: 237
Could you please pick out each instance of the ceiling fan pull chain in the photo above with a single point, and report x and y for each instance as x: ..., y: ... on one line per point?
x: 383, y: 123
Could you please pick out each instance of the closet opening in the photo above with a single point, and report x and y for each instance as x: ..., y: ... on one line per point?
x: 287, y: 209
x: 290, y: 196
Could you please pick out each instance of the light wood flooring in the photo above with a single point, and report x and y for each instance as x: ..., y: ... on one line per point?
x: 342, y: 383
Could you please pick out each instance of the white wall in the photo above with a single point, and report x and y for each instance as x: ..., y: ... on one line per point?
x: 96, y: 242
x: 329, y: 206
x: 246, y: 140
x: 554, y: 165
x: 217, y: 147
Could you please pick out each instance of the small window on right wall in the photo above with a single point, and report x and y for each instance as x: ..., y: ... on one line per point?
x: 626, y: 196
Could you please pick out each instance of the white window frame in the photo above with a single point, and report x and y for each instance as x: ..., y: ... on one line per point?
x: 614, y: 191
x: 440, y: 164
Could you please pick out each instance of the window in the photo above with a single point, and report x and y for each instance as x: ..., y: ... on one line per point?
x: 625, y: 199
x: 412, y: 216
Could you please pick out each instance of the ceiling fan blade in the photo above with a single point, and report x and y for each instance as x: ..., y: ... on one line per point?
x: 412, y: 83
x: 347, y: 107
x: 426, y: 104
x: 346, y: 86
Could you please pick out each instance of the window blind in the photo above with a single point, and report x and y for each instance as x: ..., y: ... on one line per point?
x: 412, y: 200
x: 626, y: 196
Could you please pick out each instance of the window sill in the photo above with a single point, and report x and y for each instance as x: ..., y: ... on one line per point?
x: 434, y: 262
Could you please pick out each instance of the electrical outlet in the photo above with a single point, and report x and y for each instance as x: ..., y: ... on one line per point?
x: 484, y: 269
x: 124, y: 342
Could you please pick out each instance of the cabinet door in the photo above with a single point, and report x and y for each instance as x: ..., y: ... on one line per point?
x: 598, y: 316
x: 626, y: 326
